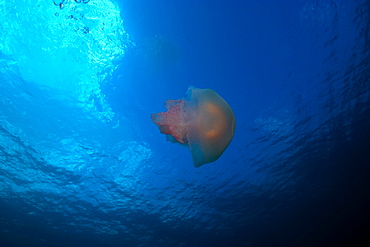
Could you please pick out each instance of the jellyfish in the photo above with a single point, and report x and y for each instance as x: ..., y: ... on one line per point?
x: 202, y: 120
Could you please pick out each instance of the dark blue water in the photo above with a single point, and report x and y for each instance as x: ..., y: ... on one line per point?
x: 81, y: 164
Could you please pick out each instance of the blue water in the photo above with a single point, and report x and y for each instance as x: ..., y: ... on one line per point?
x: 81, y: 164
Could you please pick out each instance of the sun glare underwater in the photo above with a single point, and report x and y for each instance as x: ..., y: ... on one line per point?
x: 274, y: 137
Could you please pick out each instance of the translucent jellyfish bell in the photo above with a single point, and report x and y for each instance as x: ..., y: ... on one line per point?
x: 203, y: 121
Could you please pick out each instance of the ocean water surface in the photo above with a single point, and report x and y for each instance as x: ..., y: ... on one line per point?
x: 81, y: 163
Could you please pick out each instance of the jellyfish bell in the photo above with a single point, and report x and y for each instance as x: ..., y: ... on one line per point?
x: 203, y: 120
x: 214, y: 126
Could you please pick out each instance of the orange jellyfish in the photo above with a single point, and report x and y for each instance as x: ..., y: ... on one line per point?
x: 203, y: 121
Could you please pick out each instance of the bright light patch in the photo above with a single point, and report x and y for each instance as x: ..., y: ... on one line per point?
x: 72, y: 49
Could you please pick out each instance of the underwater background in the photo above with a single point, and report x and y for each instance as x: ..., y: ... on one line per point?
x: 81, y: 163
